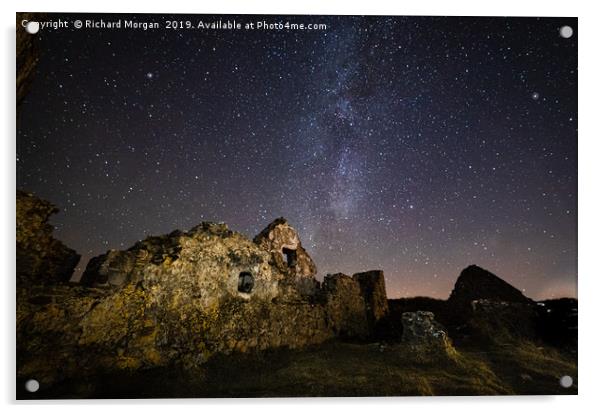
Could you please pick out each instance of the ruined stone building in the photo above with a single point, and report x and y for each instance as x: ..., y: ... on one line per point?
x: 179, y: 299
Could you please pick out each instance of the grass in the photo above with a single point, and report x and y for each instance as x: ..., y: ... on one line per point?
x: 345, y: 369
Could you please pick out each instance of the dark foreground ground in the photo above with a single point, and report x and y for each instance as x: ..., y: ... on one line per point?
x: 344, y: 369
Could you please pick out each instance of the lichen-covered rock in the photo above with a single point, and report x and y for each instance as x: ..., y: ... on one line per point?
x: 425, y: 337
x: 40, y: 257
x: 420, y: 328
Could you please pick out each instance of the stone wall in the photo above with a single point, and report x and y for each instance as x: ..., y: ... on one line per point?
x: 288, y: 255
x: 345, y: 306
x: 372, y: 285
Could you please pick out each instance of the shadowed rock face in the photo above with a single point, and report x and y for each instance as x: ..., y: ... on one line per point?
x: 475, y: 283
x: 40, y: 257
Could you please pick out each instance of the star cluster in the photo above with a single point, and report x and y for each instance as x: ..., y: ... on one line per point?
x: 416, y: 145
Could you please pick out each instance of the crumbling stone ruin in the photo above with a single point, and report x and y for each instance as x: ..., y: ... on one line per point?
x: 288, y: 255
x: 372, y: 285
x: 178, y: 299
x: 41, y: 259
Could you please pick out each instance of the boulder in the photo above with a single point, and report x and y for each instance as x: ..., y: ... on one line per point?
x: 420, y: 328
x: 425, y: 340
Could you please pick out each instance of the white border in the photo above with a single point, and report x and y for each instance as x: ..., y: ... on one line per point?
x: 590, y: 201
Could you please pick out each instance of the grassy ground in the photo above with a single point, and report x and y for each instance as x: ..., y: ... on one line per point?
x: 346, y: 369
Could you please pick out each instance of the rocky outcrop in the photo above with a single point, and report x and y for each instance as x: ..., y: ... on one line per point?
x: 475, y: 283
x: 40, y: 257
x: 484, y: 308
x: 180, y: 298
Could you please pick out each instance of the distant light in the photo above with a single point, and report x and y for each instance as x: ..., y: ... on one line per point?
x: 535, y: 96
x: 149, y: 75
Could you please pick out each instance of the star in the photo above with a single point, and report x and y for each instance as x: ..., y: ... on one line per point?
x: 413, y: 145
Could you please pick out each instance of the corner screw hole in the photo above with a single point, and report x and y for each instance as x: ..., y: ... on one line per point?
x: 566, y: 381
x: 32, y: 385
x: 566, y: 32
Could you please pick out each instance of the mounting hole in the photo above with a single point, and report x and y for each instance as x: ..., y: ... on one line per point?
x: 566, y: 32
x: 245, y: 282
x: 32, y: 27
x: 566, y: 381
x: 32, y: 385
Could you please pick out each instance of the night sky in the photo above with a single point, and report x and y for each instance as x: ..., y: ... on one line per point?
x: 414, y: 145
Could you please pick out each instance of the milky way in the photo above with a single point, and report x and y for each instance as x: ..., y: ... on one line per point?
x: 413, y: 145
